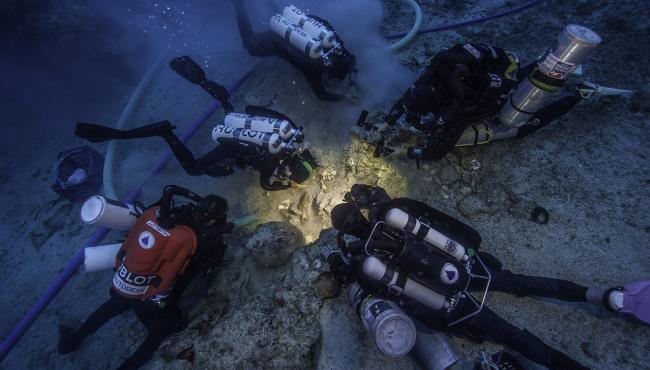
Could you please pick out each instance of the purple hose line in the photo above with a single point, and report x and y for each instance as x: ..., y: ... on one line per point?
x: 470, y: 22
x: 73, y: 265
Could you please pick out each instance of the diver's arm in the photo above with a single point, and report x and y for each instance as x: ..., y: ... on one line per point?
x: 449, y: 112
x: 395, y: 113
x: 270, y: 182
x: 274, y: 186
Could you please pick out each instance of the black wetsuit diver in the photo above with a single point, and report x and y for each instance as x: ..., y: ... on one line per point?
x: 440, y: 272
x: 463, y: 85
x: 202, y: 223
x: 316, y: 71
x: 275, y: 169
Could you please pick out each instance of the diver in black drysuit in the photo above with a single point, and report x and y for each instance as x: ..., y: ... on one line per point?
x: 316, y: 72
x: 465, y: 84
x: 162, y: 316
x: 275, y: 169
x: 346, y: 264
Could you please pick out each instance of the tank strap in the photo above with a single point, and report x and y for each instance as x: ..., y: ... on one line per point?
x: 401, y: 282
x: 410, y: 224
x: 422, y: 232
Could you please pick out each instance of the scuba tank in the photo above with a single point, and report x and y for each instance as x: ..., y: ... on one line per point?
x: 296, y: 36
x: 393, y: 331
x: 433, y: 350
x: 377, y: 270
x: 108, y: 213
x: 399, y: 219
x: 101, y: 257
x: 568, y: 51
x: 313, y: 27
x: 267, y: 141
x: 264, y: 124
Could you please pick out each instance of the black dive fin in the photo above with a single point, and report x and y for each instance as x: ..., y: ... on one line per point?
x: 96, y: 133
x: 188, y: 69
x: 255, y: 110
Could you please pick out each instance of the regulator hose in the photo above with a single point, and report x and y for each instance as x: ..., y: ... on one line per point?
x: 109, y: 159
x: 407, y: 37
x: 470, y: 22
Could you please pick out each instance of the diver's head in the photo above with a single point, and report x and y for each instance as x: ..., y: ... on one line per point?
x: 211, y: 209
x: 347, y: 218
x: 298, y: 169
x: 343, y: 64
x: 419, y: 100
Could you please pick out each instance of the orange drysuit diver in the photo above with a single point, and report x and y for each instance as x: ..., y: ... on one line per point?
x: 163, y: 251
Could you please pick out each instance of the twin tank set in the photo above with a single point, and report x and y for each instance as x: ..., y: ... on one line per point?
x: 393, y: 331
x: 305, y: 33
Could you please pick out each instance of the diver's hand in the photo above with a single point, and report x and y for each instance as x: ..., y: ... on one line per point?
x: 328, y: 251
x: 188, y: 69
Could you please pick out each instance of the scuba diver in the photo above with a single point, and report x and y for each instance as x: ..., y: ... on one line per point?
x: 261, y: 138
x: 475, y: 93
x: 424, y: 262
x: 308, y: 42
x: 167, y: 246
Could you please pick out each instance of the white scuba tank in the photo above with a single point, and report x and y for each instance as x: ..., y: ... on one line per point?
x: 282, y: 127
x: 108, y: 213
x: 397, y: 218
x: 377, y: 270
x: 101, y: 257
x: 268, y: 141
x: 296, y: 36
x: 313, y: 27
x: 392, y: 330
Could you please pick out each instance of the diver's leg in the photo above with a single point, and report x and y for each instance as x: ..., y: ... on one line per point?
x: 70, y: 339
x: 524, y: 285
x: 548, y: 114
x: 257, y: 44
x: 97, y: 133
x: 487, y: 325
x: 217, y: 162
x: 160, y: 323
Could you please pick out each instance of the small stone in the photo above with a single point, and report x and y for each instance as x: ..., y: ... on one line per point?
x: 472, y: 205
x: 474, y: 164
x: 448, y: 175
x: 326, y: 286
x: 273, y: 243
